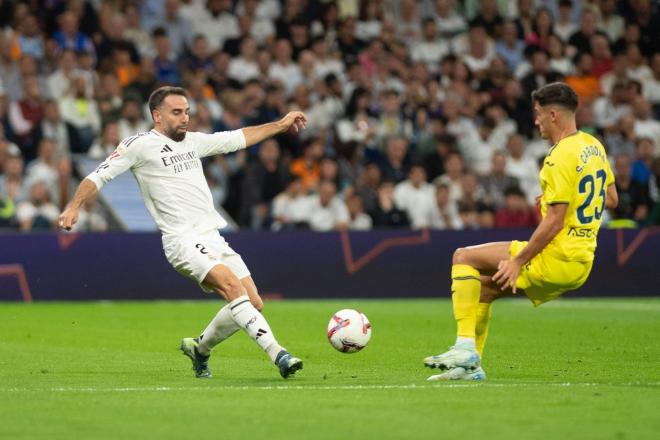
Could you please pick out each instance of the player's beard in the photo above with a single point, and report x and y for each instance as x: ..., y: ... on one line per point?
x: 176, y: 135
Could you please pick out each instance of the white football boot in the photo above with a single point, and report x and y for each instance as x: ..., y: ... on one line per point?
x: 455, y: 357
x: 460, y: 373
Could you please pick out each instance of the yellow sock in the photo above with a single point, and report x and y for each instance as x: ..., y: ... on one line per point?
x: 466, y: 289
x: 484, y: 312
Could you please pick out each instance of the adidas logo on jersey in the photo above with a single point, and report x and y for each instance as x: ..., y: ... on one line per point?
x: 166, y: 149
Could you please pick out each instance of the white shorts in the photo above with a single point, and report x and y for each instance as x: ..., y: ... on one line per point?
x: 195, y: 254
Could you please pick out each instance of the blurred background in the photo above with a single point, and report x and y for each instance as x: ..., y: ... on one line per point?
x: 419, y: 111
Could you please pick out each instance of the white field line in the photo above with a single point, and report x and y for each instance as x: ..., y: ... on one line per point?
x: 324, y: 387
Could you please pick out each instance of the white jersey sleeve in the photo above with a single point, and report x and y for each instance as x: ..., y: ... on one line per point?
x: 222, y: 142
x: 122, y: 159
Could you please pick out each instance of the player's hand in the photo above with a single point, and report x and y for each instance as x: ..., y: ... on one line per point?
x: 294, y: 122
x: 507, y: 274
x: 68, y: 218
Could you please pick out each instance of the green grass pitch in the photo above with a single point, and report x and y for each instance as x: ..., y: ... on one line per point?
x: 569, y: 369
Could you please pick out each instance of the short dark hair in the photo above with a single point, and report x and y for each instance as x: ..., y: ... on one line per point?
x: 157, y: 96
x: 556, y: 93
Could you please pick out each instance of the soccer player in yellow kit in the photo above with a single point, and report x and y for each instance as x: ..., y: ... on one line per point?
x: 577, y: 185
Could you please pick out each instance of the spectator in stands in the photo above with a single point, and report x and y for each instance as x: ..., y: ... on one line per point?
x: 69, y: 37
x: 609, y: 21
x: 633, y: 195
x: 618, y: 74
x: 200, y: 56
x: 609, y: 109
x: 621, y: 138
x: 107, y: 142
x: 654, y: 193
x: 452, y: 176
x: 602, y: 55
x: 264, y: 179
x: 307, y: 167
x: 25, y: 114
x: 370, y: 20
x: 166, y: 70
x: 542, y: 28
x: 509, y: 46
x: 90, y: 218
x: 245, y: 67
x: 583, y: 81
x: 540, y: 74
x: 114, y: 39
x: 430, y: 48
x: 386, y: 214
x: 580, y: 41
x: 559, y: 62
x: 523, y: 168
x: 450, y: 22
x: 291, y: 206
x: 132, y: 120
x: 479, y: 49
x: 63, y: 133
x: 327, y: 212
x: 498, y: 180
x: 135, y: 32
x: 391, y: 121
x: 12, y: 186
x: 28, y: 39
x: 416, y: 197
x: 516, y: 212
x: 518, y: 107
x: 434, y: 162
x: 217, y: 22
x: 37, y: 212
x: 81, y: 111
x: 652, y: 85
x: 469, y: 215
x: 358, y: 219
x: 178, y: 27
x: 444, y: 214
x: 641, y: 166
x: 394, y: 167
x: 366, y: 186
x: 646, y: 125
x: 564, y: 27
x: 326, y: 59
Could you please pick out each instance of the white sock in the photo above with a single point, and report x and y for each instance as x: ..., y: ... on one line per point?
x: 255, y: 325
x: 465, y: 343
x: 220, y: 328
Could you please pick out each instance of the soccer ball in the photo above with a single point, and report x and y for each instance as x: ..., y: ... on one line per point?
x: 349, y: 331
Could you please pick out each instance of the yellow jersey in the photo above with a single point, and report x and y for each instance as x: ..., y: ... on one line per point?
x: 576, y: 171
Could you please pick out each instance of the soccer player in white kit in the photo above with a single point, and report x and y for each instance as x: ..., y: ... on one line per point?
x: 166, y: 164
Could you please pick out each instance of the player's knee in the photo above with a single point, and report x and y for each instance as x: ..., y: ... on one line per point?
x: 257, y: 303
x: 460, y: 256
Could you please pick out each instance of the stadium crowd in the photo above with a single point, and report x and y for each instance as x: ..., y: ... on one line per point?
x: 419, y: 111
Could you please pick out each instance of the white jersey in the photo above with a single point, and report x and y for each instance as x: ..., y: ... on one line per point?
x: 171, y: 177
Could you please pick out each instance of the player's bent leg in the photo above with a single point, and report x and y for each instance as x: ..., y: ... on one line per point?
x: 466, y: 294
x: 247, y: 317
x: 483, y: 257
x: 253, y: 293
x: 490, y: 292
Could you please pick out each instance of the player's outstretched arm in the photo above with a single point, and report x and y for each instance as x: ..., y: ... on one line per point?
x: 545, y: 232
x: 86, y: 190
x: 611, y: 197
x: 294, y: 121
